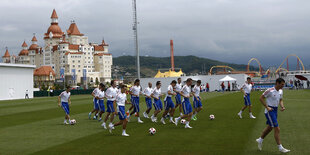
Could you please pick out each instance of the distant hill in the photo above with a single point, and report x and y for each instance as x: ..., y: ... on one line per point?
x: 189, y: 64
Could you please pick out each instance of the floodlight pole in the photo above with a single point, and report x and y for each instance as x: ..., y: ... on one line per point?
x: 135, y: 29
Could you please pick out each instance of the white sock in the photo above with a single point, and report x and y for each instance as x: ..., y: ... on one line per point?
x: 65, y: 121
x: 139, y: 119
x: 171, y: 118
x: 124, y: 131
x: 250, y: 113
x: 240, y: 112
x: 280, y: 146
x: 152, y: 115
x: 89, y: 113
x: 128, y: 111
x: 187, y: 123
x: 260, y: 139
x: 178, y: 118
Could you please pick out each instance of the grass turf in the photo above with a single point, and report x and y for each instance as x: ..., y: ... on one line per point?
x: 35, y: 126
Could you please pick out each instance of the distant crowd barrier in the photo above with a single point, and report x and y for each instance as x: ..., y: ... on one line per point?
x: 57, y: 92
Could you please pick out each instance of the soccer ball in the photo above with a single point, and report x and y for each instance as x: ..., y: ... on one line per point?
x: 152, y: 131
x: 212, y: 117
x: 73, y: 121
x: 183, y: 121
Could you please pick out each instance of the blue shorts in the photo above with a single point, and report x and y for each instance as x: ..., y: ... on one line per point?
x: 121, y: 112
x: 110, y: 106
x: 197, y: 103
x: 169, y: 103
x: 187, y: 107
x: 65, y: 107
x: 247, y: 100
x: 148, y: 102
x: 135, y: 104
x: 272, y: 117
x: 158, y: 104
x: 101, y: 105
x: 178, y: 98
x: 96, y: 106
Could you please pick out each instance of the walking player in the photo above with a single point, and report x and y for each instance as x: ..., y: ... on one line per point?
x: 148, y: 99
x: 246, y: 90
x: 271, y: 99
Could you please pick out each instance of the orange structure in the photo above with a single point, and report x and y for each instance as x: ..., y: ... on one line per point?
x: 171, y: 55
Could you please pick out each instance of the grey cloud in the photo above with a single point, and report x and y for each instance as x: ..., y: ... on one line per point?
x: 227, y: 30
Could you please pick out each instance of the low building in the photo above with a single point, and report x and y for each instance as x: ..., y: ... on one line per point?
x: 44, y: 75
x: 15, y: 81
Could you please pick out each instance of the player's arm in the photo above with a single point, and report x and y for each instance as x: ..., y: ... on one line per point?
x: 59, y: 99
x: 263, y: 101
x: 152, y: 95
x: 69, y: 100
x: 282, y: 105
x: 114, y: 105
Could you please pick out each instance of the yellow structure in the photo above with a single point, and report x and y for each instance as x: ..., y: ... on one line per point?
x: 169, y: 74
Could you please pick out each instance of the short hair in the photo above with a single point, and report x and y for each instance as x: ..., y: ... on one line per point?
x: 248, y: 78
x: 137, y: 80
x: 173, y: 81
x: 280, y: 80
x: 112, y: 81
x: 101, y: 85
x: 179, y: 78
x: 189, y: 79
x: 158, y: 83
x: 123, y: 86
x: 199, y: 81
x: 68, y: 87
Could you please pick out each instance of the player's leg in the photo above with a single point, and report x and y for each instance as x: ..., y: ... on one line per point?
x: 250, y: 112
x: 66, y: 109
x: 105, y: 119
x: 148, y: 102
x: 137, y: 109
x: 157, y: 110
x: 244, y: 107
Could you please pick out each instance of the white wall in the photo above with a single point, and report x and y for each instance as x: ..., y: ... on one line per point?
x: 15, y: 79
x: 213, y: 80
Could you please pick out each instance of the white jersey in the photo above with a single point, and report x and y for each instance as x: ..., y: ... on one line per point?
x: 186, y: 90
x: 136, y: 90
x: 111, y: 93
x: 95, y: 91
x: 100, y: 94
x: 65, y: 96
x: 148, y: 91
x: 196, y: 90
x: 247, y: 88
x: 273, y: 97
x: 170, y: 88
x: 178, y: 87
x: 121, y: 99
x: 156, y: 92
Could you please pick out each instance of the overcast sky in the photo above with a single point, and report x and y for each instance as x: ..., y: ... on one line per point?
x: 226, y: 30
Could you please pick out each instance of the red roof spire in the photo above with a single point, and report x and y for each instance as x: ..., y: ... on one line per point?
x: 73, y: 30
x: 34, y: 38
x: 24, y: 44
x: 6, y: 54
x: 54, y: 14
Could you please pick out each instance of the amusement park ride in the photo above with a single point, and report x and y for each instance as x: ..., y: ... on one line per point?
x: 270, y: 72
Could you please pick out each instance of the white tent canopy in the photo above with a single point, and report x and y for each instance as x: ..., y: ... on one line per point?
x: 227, y: 78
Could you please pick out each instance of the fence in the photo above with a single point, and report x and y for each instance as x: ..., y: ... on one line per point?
x: 57, y: 92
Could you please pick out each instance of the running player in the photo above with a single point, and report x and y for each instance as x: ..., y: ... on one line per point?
x: 271, y: 99
x: 187, y: 108
x: 64, y: 97
x: 148, y: 99
x: 246, y: 90
x: 135, y: 92
x: 110, y: 94
x: 197, y: 100
x: 96, y: 106
x: 100, y: 97
x: 169, y: 105
x: 178, y: 88
x: 157, y: 102
x: 119, y: 104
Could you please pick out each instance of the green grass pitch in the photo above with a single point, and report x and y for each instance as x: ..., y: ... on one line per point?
x: 35, y: 126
